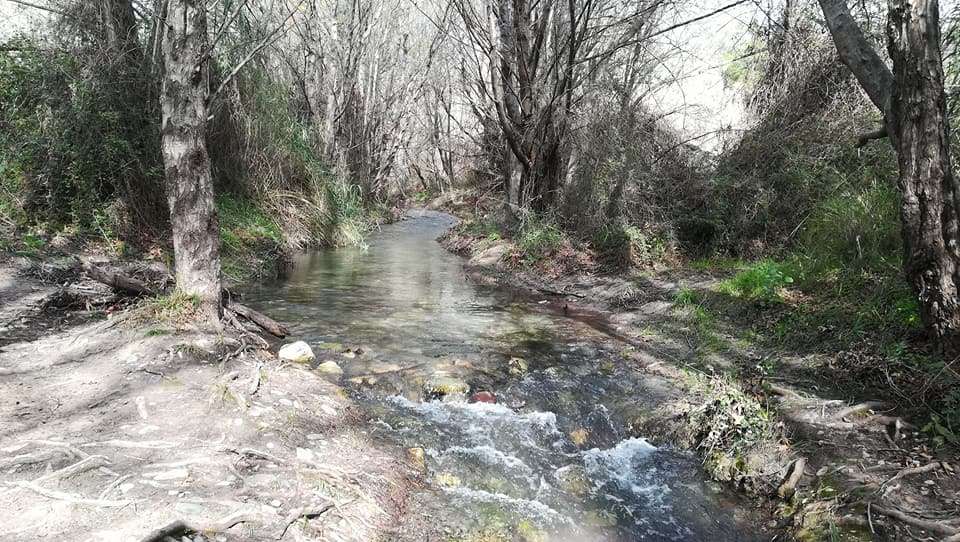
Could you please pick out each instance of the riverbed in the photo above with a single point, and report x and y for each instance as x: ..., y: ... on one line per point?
x: 548, y: 451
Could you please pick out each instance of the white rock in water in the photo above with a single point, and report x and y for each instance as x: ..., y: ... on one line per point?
x: 330, y: 368
x: 298, y: 352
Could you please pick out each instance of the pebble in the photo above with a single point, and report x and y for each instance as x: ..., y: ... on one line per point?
x: 304, y: 454
x: 174, y: 474
x: 275, y: 503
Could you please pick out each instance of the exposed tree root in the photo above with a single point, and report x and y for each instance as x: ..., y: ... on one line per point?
x: 925, y: 524
x: 144, y: 445
x: 61, y: 496
x: 915, y: 470
x: 113, y: 485
x: 59, y: 449
x: 182, y: 528
x: 85, y: 464
x: 302, y: 512
x: 858, y: 408
x: 255, y: 380
x: 789, y: 485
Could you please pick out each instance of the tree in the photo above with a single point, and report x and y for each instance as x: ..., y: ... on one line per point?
x: 913, y: 102
x: 189, y: 184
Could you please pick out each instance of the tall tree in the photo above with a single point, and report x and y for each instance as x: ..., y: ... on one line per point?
x: 183, y: 100
x: 913, y: 103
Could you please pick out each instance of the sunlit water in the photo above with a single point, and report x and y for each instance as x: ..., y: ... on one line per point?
x: 554, y: 454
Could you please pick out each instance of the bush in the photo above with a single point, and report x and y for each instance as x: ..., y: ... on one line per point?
x: 72, y: 140
x: 538, y: 239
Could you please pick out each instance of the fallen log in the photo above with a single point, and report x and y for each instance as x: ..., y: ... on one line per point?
x: 269, y: 324
x: 116, y: 280
x: 129, y: 285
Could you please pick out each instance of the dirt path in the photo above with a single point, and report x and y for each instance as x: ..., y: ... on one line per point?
x: 112, y: 429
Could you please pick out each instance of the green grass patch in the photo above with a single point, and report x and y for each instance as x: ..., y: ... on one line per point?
x: 249, y: 238
x: 175, y: 308
x: 762, y: 281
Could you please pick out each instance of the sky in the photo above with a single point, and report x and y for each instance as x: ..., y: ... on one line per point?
x: 705, y: 103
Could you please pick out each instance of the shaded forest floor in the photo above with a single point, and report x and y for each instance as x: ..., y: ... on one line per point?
x: 780, y: 402
x: 120, y: 418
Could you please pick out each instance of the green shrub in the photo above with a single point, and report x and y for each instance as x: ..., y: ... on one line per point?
x: 626, y: 245
x: 761, y: 281
x: 72, y: 140
x: 538, y: 239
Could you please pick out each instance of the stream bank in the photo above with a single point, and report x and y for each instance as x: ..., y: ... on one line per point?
x: 774, y: 423
x: 120, y: 419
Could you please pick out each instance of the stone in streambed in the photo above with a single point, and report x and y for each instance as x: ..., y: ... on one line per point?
x: 517, y: 367
x: 418, y: 458
x: 483, y: 397
x: 330, y: 368
x: 573, y: 479
x: 297, y: 352
x: 444, y: 386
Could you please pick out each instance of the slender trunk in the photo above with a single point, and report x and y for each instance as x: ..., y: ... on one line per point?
x: 196, y: 241
x: 918, y: 124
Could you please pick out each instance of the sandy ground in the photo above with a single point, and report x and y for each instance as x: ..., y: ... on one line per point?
x: 110, y: 429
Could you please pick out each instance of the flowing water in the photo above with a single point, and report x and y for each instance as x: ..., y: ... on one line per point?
x: 554, y: 454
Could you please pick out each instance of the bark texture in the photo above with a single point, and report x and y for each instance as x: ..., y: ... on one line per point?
x: 928, y: 189
x: 913, y: 102
x: 196, y: 241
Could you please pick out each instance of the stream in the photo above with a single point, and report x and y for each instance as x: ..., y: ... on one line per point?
x: 553, y: 456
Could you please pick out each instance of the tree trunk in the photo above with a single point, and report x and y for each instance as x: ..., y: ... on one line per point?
x: 918, y: 122
x: 196, y: 241
x: 913, y: 102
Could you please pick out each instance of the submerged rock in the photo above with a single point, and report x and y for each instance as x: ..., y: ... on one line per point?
x: 517, y: 366
x: 440, y: 387
x: 418, y: 458
x: 330, y: 368
x: 297, y: 352
x: 483, y: 397
x: 573, y: 479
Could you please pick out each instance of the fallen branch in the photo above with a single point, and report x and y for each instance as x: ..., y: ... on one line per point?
x: 302, y: 512
x: 180, y: 528
x: 925, y: 524
x: 268, y: 324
